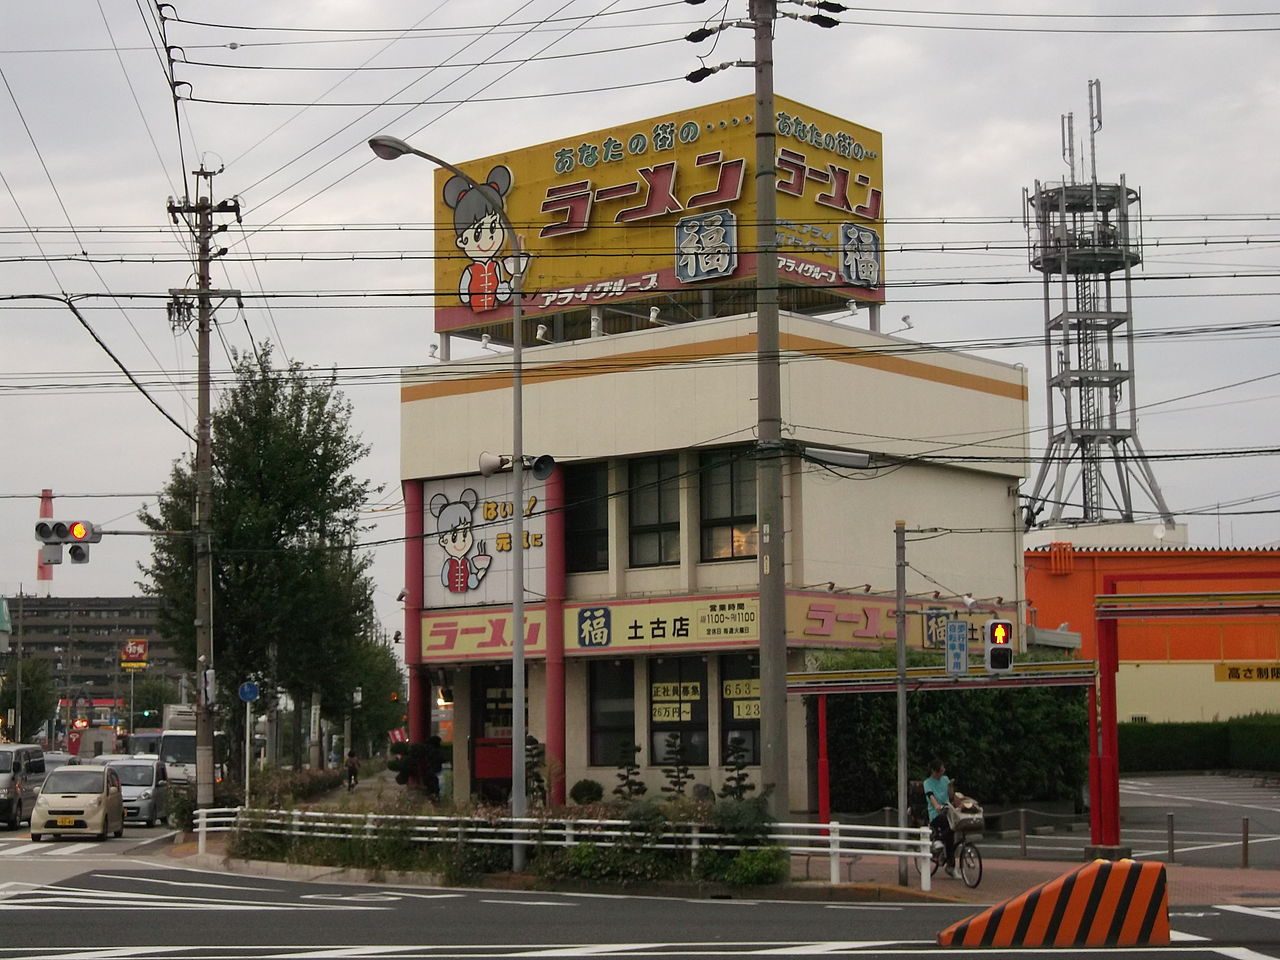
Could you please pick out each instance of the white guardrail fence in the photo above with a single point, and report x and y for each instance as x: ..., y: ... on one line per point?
x: 834, y: 842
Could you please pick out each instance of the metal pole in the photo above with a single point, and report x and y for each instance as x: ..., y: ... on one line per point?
x: 774, y: 748
x: 389, y: 148
x: 1168, y: 824
x: 1244, y: 842
x: 519, y: 800
x: 248, y: 747
x: 900, y: 626
x: 17, y: 712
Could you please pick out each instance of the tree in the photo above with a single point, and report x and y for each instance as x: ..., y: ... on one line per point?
x: 291, y: 594
x: 150, y: 694
x: 39, y: 699
x: 1001, y: 746
x: 382, y: 697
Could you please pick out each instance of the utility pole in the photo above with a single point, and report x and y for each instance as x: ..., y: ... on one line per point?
x: 900, y: 626
x: 199, y: 218
x: 769, y: 507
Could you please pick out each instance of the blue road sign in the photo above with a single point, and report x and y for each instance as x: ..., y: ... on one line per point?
x: 248, y: 691
x: 957, y: 647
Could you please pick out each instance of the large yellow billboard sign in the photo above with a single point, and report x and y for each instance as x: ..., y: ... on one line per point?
x: 660, y: 206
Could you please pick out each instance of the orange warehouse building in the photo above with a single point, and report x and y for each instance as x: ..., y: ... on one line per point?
x: 1204, y: 667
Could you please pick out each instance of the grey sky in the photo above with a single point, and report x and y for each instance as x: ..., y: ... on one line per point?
x: 969, y: 107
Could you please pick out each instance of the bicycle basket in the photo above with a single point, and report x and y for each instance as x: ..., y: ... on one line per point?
x: 965, y: 814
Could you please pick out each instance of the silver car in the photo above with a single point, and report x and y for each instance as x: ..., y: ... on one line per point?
x: 145, y: 788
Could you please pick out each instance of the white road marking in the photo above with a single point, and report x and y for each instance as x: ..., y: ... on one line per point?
x: 1270, y: 913
x: 1242, y: 953
x: 1176, y: 936
x: 533, y: 903
x: 830, y: 947
x: 10, y: 849
x: 588, y: 950
x: 62, y: 851
x: 1224, y: 803
x: 133, y: 878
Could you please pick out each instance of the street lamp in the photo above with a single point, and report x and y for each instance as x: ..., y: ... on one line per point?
x: 391, y: 148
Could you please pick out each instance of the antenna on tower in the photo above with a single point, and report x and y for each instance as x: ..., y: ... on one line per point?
x: 1086, y: 235
x: 1069, y: 143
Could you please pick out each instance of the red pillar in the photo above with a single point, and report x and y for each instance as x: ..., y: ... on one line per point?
x: 824, y: 764
x: 556, y: 586
x: 414, y: 584
x: 1095, y: 771
x: 1108, y: 664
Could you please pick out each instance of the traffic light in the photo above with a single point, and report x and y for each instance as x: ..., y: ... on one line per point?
x: 78, y: 534
x: 997, y: 636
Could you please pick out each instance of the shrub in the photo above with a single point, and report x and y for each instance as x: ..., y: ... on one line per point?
x: 737, y: 784
x: 586, y: 791
x: 759, y: 866
x: 630, y: 786
x: 677, y: 770
x: 748, y: 821
x: 622, y: 865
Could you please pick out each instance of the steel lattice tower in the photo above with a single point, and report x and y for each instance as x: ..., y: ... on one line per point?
x: 1085, y: 239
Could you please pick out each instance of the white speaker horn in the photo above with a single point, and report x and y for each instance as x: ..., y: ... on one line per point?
x: 491, y: 463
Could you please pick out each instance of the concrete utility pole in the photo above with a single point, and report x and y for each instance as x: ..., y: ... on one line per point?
x: 900, y: 626
x: 774, y: 771
x: 198, y: 217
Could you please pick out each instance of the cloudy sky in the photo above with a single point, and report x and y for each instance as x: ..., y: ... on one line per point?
x: 282, y: 96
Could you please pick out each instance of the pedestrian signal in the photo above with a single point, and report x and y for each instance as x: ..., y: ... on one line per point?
x: 998, y: 645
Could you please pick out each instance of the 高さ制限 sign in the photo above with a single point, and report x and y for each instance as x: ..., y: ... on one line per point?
x: 659, y: 206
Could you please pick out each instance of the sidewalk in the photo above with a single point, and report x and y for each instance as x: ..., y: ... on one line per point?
x: 866, y: 879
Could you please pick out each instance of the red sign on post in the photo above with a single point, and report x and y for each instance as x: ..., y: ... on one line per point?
x: 133, y: 654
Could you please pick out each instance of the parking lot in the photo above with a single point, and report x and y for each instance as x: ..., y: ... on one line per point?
x: 1205, y: 812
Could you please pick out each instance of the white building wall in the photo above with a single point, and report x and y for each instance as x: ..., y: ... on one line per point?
x: 681, y: 388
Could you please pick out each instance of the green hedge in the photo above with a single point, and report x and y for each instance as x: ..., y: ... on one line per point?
x: 1241, y: 743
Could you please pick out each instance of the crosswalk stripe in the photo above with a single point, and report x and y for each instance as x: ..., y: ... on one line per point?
x: 62, y: 851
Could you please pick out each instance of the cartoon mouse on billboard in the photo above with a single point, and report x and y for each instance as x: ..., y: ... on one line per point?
x: 460, y: 573
x: 480, y: 232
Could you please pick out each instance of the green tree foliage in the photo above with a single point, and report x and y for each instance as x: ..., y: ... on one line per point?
x: 150, y: 694
x: 1001, y: 746
x: 292, y: 596
x: 375, y: 670
x: 39, y: 698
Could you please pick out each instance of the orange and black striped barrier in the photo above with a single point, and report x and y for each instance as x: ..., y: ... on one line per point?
x: 1122, y: 903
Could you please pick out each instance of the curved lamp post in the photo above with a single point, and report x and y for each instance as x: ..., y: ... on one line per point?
x: 392, y: 148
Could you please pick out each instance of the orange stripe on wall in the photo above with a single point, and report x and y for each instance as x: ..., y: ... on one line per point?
x: 903, y: 367
x: 705, y: 350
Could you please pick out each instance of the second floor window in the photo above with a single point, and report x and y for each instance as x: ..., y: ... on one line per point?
x: 653, y: 485
x: 586, y: 517
x: 728, y: 502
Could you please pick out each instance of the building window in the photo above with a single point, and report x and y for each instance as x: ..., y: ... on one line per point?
x: 612, y: 695
x: 586, y: 517
x: 740, y: 706
x: 728, y: 505
x: 678, y: 710
x: 653, y: 485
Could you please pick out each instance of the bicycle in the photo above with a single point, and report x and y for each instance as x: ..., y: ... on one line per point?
x: 968, y: 860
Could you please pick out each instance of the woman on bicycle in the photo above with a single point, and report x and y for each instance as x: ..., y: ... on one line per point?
x: 937, y: 795
x: 353, y: 770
